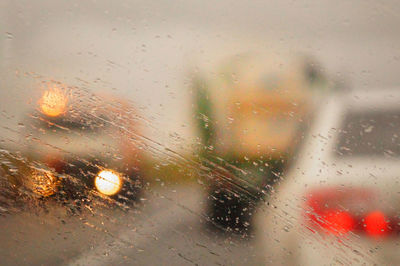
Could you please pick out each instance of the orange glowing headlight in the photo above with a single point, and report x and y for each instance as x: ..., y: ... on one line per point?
x: 53, y: 102
x: 108, y: 182
x: 43, y: 183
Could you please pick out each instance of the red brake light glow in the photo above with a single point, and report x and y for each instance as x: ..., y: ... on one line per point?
x: 55, y: 161
x: 375, y: 224
x: 338, y: 222
x: 338, y: 211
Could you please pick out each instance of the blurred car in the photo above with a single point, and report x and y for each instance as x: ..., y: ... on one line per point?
x: 251, y: 112
x: 87, y: 142
x: 339, y: 204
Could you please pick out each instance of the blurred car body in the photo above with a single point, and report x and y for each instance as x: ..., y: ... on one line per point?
x: 339, y: 202
x: 88, y: 143
x: 251, y: 113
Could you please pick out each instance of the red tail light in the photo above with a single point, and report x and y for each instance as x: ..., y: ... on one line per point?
x: 338, y: 222
x: 55, y: 162
x: 376, y: 224
x: 339, y: 211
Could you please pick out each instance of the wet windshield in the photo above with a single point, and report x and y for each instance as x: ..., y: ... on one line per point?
x: 199, y: 132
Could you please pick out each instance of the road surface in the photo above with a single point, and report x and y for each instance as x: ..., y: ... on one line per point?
x: 168, y: 227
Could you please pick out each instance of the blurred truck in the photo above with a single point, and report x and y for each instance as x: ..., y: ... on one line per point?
x: 251, y: 112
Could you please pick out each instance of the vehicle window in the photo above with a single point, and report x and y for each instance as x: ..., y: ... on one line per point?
x: 370, y: 133
x: 63, y: 123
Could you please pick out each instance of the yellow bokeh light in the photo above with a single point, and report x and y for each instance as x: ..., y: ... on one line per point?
x: 108, y: 182
x: 53, y: 102
x: 43, y: 183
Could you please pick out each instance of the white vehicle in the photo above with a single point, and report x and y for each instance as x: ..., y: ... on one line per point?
x: 339, y: 203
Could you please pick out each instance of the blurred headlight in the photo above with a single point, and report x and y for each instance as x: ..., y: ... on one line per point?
x: 108, y: 182
x: 43, y: 183
x: 53, y: 102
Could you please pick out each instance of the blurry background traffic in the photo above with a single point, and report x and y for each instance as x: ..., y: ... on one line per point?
x: 199, y: 133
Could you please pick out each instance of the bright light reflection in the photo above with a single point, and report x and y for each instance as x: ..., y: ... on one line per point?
x: 53, y: 102
x: 43, y: 183
x: 108, y: 183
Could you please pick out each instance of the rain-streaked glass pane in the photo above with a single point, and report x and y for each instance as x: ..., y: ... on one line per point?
x: 199, y: 132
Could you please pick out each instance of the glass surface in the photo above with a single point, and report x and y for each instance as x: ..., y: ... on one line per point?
x: 199, y: 132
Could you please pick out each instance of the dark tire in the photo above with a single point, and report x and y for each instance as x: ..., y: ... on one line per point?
x: 229, y: 212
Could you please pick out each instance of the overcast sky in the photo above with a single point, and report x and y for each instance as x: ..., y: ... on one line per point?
x: 144, y: 50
